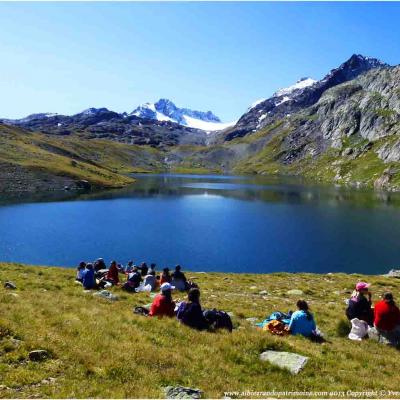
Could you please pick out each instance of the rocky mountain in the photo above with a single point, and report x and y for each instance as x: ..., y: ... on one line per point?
x: 101, y: 123
x: 304, y: 93
x: 166, y: 110
x: 344, y: 128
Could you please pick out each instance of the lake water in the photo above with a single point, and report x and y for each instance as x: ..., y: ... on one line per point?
x: 208, y: 223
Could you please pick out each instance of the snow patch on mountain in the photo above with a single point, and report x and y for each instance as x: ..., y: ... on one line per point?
x: 300, y: 84
x: 166, y: 110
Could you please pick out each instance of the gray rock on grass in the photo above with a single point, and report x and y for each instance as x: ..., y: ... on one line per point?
x: 39, y: 355
x: 295, y: 292
x: 10, y: 285
x: 290, y: 361
x: 181, y: 392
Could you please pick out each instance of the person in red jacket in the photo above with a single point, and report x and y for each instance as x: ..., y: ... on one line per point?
x: 387, y: 319
x: 112, y: 274
x: 163, y: 305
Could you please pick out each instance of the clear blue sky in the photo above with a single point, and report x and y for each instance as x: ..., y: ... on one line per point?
x: 65, y: 57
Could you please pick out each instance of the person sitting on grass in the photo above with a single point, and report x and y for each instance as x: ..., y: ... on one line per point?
x: 163, y: 305
x: 190, y: 312
x: 150, y: 279
x: 165, y: 276
x: 79, y: 271
x: 179, y: 279
x: 88, y: 280
x: 153, y: 268
x: 112, y: 274
x: 144, y: 268
x: 129, y: 267
x: 302, y: 321
x: 133, y: 280
x: 99, y: 264
x: 387, y: 319
x: 359, y: 305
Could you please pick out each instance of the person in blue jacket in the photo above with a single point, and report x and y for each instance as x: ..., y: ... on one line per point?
x: 302, y: 321
x: 190, y: 312
x: 88, y: 279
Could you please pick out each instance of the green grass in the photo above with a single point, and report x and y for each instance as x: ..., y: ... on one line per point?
x: 103, y: 163
x: 102, y: 350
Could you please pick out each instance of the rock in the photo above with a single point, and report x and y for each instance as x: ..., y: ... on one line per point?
x: 181, y: 392
x: 10, y: 285
x: 295, y: 292
x: 290, y: 361
x: 105, y: 294
x: 263, y: 292
x: 38, y: 355
x: 393, y: 273
x: 252, y: 320
x: 83, y: 184
x: 253, y: 287
x: 347, y: 151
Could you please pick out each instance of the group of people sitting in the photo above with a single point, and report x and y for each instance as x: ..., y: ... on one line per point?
x: 380, y: 321
x: 135, y: 278
x: 142, y: 278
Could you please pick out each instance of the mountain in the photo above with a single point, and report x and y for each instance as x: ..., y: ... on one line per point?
x: 304, y: 93
x: 344, y: 128
x: 166, y: 110
x: 101, y: 123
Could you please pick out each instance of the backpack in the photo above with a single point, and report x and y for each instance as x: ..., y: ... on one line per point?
x: 218, y: 319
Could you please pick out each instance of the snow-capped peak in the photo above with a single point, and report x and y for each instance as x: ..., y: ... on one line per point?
x: 300, y: 84
x: 166, y: 110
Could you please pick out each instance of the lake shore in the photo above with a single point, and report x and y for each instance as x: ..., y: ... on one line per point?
x: 100, y: 349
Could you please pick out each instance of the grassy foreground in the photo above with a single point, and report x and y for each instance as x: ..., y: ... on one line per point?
x: 101, y: 349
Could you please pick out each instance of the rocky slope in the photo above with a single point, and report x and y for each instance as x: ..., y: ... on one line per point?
x: 344, y: 128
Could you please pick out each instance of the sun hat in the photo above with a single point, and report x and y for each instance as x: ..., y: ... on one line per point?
x: 166, y: 286
x: 362, y: 286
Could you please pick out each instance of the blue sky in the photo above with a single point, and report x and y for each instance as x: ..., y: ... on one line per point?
x: 65, y: 57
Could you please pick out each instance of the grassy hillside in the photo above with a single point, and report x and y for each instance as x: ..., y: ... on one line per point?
x: 101, y: 349
x: 32, y: 161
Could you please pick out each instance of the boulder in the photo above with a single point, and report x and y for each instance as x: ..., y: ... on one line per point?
x: 10, y: 285
x: 290, y: 361
x: 295, y: 292
x: 105, y: 294
x: 393, y: 273
x: 181, y: 392
x: 38, y: 355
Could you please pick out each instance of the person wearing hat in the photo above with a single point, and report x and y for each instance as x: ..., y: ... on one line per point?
x: 387, y: 319
x: 165, y: 276
x: 359, y: 305
x: 163, y: 305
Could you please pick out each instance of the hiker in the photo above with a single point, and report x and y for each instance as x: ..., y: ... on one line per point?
x: 163, y: 305
x: 153, y: 268
x: 387, y: 319
x: 302, y: 321
x: 190, y: 312
x: 99, y: 264
x: 144, y: 268
x: 359, y: 305
x: 112, y: 274
x: 179, y: 279
x: 79, y: 271
x: 129, y: 267
x: 165, y: 276
x: 88, y: 280
x: 150, y: 279
x: 133, y: 280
